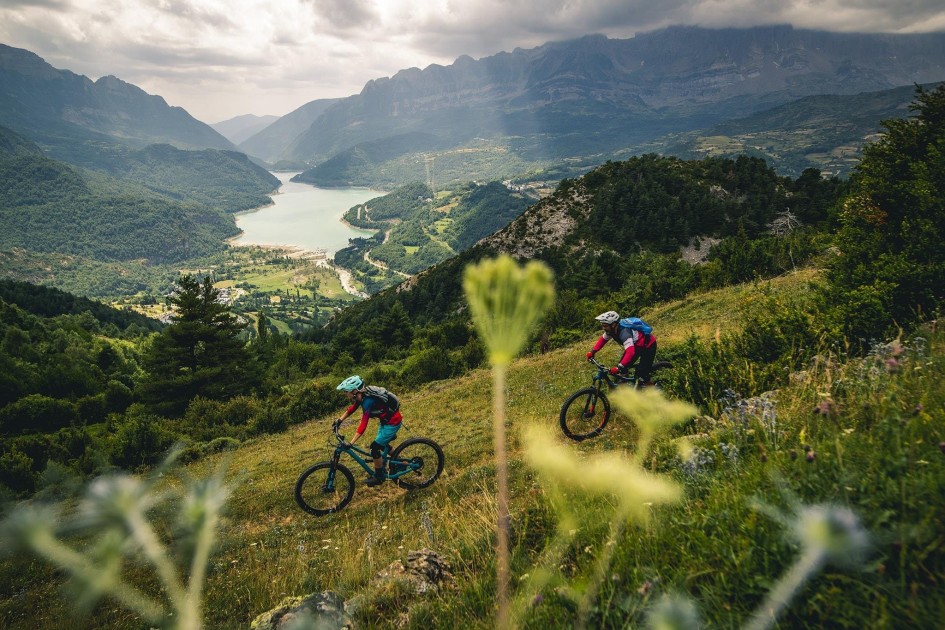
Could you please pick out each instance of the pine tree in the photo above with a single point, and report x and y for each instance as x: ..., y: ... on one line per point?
x: 891, y: 267
x: 199, y: 354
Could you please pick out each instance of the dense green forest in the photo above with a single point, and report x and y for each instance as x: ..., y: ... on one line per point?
x: 159, y: 203
x: 226, y: 180
x: 624, y: 254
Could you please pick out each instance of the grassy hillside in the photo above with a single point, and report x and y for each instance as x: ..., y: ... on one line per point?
x: 871, y: 429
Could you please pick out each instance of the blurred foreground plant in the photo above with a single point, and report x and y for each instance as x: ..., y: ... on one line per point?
x: 506, y: 301
x: 630, y: 489
x: 113, y: 524
x: 827, y: 534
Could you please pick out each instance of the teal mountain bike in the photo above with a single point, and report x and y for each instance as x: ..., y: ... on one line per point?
x: 586, y: 412
x: 328, y: 487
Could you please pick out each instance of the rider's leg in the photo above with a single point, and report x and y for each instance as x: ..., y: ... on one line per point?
x: 376, y: 450
x: 645, y: 366
x: 379, y: 447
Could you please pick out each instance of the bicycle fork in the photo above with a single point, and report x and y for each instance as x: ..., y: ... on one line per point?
x: 329, y: 486
x: 591, y: 403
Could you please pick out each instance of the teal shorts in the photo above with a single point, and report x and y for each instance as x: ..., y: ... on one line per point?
x: 386, y: 433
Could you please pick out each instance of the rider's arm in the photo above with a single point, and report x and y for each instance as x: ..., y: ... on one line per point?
x: 628, y: 355
x: 365, y: 417
x: 348, y: 412
x: 600, y: 343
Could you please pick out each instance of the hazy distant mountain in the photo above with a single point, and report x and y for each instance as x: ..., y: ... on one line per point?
x: 825, y: 132
x: 596, y: 95
x: 243, y: 127
x: 270, y: 143
x: 59, y: 109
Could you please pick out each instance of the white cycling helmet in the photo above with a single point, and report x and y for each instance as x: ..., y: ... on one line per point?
x: 610, y: 317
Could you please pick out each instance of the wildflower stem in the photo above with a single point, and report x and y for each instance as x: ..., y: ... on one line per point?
x: 61, y: 555
x: 782, y: 593
x: 157, y: 554
x: 502, y: 482
x: 198, y: 567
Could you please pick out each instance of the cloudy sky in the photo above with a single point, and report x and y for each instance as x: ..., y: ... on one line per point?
x: 222, y: 58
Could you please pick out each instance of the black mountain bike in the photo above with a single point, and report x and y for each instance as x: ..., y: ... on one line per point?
x: 586, y: 412
x: 328, y: 486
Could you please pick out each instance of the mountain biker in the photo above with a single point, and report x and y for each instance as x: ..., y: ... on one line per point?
x: 638, y: 346
x: 372, y: 406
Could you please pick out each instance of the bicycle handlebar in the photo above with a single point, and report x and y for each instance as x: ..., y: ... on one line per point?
x: 335, y: 427
x: 621, y: 377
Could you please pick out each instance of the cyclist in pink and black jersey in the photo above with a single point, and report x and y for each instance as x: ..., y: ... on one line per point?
x: 638, y: 347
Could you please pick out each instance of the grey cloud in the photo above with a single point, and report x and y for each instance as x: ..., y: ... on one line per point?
x: 345, y: 14
x: 43, y: 4
x: 506, y: 25
x: 187, y: 10
x: 158, y: 57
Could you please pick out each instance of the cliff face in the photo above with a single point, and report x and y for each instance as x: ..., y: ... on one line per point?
x: 669, y: 80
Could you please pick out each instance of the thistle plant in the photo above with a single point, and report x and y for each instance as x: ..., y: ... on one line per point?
x: 112, y: 522
x: 627, y: 486
x: 827, y: 534
x: 506, y: 301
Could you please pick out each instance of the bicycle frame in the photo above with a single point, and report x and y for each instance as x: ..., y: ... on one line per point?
x: 604, y: 376
x: 367, y: 461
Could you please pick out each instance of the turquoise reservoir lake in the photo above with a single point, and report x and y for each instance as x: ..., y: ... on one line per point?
x: 303, y: 216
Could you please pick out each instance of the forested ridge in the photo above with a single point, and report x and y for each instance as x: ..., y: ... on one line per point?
x: 159, y: 203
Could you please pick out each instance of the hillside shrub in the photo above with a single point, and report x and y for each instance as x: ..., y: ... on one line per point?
x: 313, y: 400
x: 430, y: 364
x: 269, y: 419
x: 37, y: 414
x: 140, y: 439
x: 16, y: 471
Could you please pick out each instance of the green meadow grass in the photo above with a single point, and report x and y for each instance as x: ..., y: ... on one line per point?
x: 870, y: 428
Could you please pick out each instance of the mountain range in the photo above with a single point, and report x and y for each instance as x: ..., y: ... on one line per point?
x: 271, y: 142
x: 597, y: 96
x: 577, y: 102
x: 60, y: 110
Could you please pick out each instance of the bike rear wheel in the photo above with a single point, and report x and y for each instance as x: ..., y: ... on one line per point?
x: 319, y: 492
x: 425, y: 456
x: 585, y: 414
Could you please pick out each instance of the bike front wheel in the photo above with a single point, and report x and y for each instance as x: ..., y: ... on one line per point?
x: 424, y: 459
x: 324, y: 488
x: 585, y: 414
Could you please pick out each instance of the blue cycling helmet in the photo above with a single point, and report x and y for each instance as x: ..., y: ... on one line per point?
x: 351, y: 384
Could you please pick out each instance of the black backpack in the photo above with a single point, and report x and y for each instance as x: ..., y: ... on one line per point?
x: 388, y: 398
